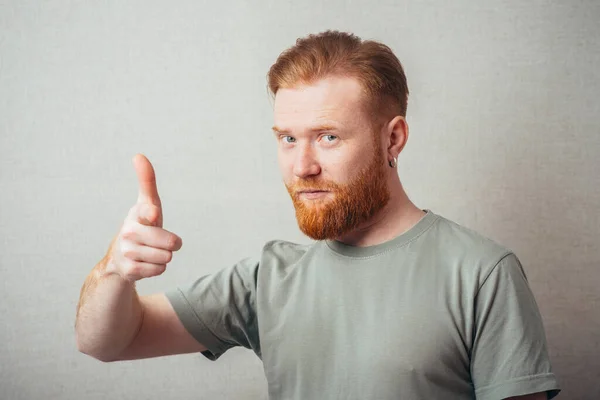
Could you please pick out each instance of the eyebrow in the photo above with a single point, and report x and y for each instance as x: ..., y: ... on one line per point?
x: 318, y: 128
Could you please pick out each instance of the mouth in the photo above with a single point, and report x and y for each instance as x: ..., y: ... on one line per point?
x: 312, y: 193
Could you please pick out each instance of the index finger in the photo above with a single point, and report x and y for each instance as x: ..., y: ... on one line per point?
x: 148, y: 192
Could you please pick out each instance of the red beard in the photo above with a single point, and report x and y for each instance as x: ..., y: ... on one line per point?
x: 353, y: 203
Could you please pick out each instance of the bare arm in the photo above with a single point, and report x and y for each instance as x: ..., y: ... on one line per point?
x: 112, y: 321
x: 161, y: 332
x: 109, y: 314
x: 115, y: 324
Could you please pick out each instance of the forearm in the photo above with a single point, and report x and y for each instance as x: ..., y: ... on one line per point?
x: 108, y: 314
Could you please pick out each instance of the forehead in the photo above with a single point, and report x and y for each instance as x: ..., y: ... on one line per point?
x: 330, y: 100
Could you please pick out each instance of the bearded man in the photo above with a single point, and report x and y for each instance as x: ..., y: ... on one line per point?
x: 390, y: 301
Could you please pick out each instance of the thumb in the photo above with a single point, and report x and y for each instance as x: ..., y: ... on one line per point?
x: 148, y: 192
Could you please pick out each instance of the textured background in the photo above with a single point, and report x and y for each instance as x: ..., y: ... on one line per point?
x: 505, y: 139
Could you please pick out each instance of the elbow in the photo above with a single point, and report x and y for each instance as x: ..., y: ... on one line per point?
x: 88, y: 349
x: 97, y: 355
x: 105, y: 359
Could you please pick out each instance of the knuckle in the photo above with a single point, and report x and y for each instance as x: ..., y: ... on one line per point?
x: 128, y: 251
x: 171, y: 241
x: 128, y: 232
x: 153, y: 213
x: 159, y: 269
x: 135, y: 270
x: 133, y: 212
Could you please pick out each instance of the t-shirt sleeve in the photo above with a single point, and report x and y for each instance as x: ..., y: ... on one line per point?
x: 509, y: 355
x: 219, y: 310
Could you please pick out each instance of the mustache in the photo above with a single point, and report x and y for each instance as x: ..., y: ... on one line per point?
x: 312, y: 184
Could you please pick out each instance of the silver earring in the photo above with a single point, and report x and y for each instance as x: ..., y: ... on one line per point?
x: 393, y: 162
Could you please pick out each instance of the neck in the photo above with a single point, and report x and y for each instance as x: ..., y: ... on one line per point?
x: 397, y: 217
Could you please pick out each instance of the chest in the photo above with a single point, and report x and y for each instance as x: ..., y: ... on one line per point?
x: 321, y: 326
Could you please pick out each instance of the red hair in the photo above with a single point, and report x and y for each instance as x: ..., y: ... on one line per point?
x: 334, y: 53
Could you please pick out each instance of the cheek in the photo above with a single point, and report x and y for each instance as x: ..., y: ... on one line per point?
x: 344, y: 167
x: 285, y: 166
x: 337, y: 172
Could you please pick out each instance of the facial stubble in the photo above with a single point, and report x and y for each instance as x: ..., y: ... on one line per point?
x: 353, y: 203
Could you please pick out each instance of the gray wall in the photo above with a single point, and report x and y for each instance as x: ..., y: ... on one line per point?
x: 504, y: 139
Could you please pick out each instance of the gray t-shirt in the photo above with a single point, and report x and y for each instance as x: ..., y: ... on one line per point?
x: 439, y: 312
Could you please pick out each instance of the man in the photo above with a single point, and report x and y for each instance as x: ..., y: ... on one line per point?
x: 390, y: 302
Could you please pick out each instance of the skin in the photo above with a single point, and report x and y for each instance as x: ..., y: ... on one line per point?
x: 306, y: 151
x: 113, y: 323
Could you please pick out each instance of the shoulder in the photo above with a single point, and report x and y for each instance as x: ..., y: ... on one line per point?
x: 467, y: 248
x: 280, y: 257
x: 284, y: 249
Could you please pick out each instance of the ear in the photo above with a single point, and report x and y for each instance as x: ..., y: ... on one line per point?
x: 397, y: 136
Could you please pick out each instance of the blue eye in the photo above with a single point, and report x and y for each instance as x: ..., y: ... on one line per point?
x: 288, y: 139
x: 331, y: 138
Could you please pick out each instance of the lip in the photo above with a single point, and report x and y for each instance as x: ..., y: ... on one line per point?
x: 313, y: 194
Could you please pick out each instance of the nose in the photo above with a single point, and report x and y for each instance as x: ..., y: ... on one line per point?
x: 306, y: 164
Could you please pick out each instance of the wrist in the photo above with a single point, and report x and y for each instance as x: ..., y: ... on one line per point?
x: 109, y: 270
